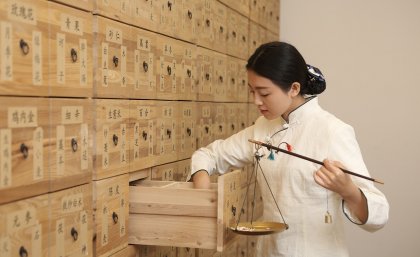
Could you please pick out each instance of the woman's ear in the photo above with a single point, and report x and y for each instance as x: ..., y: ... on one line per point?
x: 294, y: 89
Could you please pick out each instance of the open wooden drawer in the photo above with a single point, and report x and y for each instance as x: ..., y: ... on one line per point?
x: 171, y: 213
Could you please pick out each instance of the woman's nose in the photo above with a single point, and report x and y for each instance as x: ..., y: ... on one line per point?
x: 257, y: 99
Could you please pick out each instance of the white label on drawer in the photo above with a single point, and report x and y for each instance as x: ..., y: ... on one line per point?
x: 37, y: 240
x: 173, y: 76
x: 144, y: 112
x: 206, y: 112
x: 71, y: 114
x: 162, y: 137
x: 84, y: 232
x: 183, y: 74
x: 6, y: 51
x: 72, y: 203
x: 173, y: 137
x: 21, y: 219
x: 143, y: 43
x: 37, y: 58
x: 83, y: 51
x: 113, y: 35
x: 105, y: 223
x: 167, y: 50
x: 136, y: 142
x: 38, y: 156
x: 105, y: 153
x: 5, y: 157
x: 187, y: 112
x: 152, y: 78
x: 104, y: 64
x: 22, y: 117
x: 151, y: 137
x: 123, y: 157
x: 5, y: 247
x: 161, y: 74
x: 123, y: 66
x: 137, y: 80
x: 84, y: 137
x: 22, y: 12
x: 168, y: 111
x: 61, y: 151
x: 113, y: 114
x: 183, y: 128
x: 122, y: 217
x: 71, y: 24
x: 59, y: 238
x: 61, y: 69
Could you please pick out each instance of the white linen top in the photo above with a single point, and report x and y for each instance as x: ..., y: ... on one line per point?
x: 315, y: 133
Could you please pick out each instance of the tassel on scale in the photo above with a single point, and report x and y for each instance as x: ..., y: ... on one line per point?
x: 328, y: 218
x: 271, y: 155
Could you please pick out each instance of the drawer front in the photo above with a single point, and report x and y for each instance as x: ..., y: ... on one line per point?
x: 220, y: 26
x: 242, y: 86
x: 143, y: 120
x: 24, y: 143
x: 219, y: 75
x: 114, y: 50
x: 187, y: 129
x: 144, y: 64
x: 71, y: 222
x: 232, y: 117
x: 206, y: 24
x: 254, y: 37
x: 169, y: 21
x: 129, y: 251
x: 205, y: 121
x: 232, y: 79
x: 120, y: 10
x: 187, y: 72
x: 70, y: 47
x: 205, y: 65
x: 189, y: 17
x: 146, y: 14
x: 220, y: 121
x: 24, y: 227
x: 110, y: 214
x: 71, y: 142
x: 112, y: 141
x: 184, y: 169
x: 243, y: 27
x: 24, y: 48
x: 165, y: 172
x: 185, y: 252
x: 166, y: 128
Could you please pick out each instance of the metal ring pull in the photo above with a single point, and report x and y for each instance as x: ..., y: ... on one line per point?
x: 233, y: 210
x: 189, y: 13
x: 115, y: 217
x: 169, y: 133
x: 232, y: 126
x: 74, y: 145
x: 24, y: 47
x: 189, y: 73
x: 23, y: 252
x: 170, y: 6
x: 74, y: 234
x: 145, y: 66
x: 208, y: 22
x: 24, y: 150
x: 221, y: 79
x: 233, y: 33
x: 115, y: 61
x: 243, y: 125
x: 189, y: 132
x: 73, y: 54
x: 233, y: 80
x: 115, y: 139
x: 206, y: 128
x: 169, y: 69
x: 207, y: 76
x: 220, y: 128
x: 221, y: 29
x: 144, y: 135
x: 244, y: 38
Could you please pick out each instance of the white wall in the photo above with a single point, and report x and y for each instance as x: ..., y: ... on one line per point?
x: 369, y: 51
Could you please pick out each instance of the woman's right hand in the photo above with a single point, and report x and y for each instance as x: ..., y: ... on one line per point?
x: 201, y: 179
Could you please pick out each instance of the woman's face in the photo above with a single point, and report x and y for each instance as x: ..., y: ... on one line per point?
x: 272, y: 101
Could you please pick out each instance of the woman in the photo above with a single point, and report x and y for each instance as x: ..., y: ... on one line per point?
x: 284, y: 88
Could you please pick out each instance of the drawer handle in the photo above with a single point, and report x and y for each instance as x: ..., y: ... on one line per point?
x: 24, y: 150
x: 189, y: 73
x: 169, y: 69
x: 221, y: 79
x: 208, y: 22
x: 233, y: 210
x: 115, y: 139
x: 233, y: 80
x: 234, y: 34
x: 115, y: 217
x: 169, y: 133
x: 243, y: 125
x: 189, y: 131
x: 232, y: 126
x: 244, y: 38
x: 23, y: 252
x: 254, y: 43
x: 188, y: 249
x: 207, y: 76
x: 73, y: 55
x: 145, y: 66
x: 115, y: 61
x: 189, y: 13
x: 255, y: 2
x: 271, y: 13
x: 221, y: 29
x: 74, y: 145
x: 24, y: 47
x: 243, y: 82
x: 74, y: 234
x: 207, y: 129
x: 220, y: 128
x: 170, y: 6
x: 144, y: 135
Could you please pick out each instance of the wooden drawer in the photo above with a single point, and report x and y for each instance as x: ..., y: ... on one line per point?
x: 187, y: 72
x: 24, y: 227
x: 24, y: 48
x: 120, y: 10
x: 129, y: 251
x: 70, y: 51
x: 71, y: 222
x: 71, y: 142
x: 219, y: 75
x: 242, y: 84
x: 144, y: 64
x: 166, y: 149
x: 174, y: 171
x: 114, y: 58
x: 205, y: 65
x: 86, y: 5
x: 169, y: 21
x: 189, y: 17
x: 110, y: 214
x: 146, y: 14
x: 220, y: 122
x: 176, y: 214
x: 205, y: 128
x: 187, y: 129
x: 220, y: 27
x: 205, y: 26
x: 24, y: 143
x: 238, y: 27
x: 111, y: 128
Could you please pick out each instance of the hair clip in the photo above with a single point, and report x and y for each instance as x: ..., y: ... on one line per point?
x: 314, y: 73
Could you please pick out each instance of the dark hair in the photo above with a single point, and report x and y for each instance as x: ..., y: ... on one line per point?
x: 283, y: 65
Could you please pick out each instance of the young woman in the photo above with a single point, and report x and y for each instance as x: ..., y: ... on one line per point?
x: 284, y: 88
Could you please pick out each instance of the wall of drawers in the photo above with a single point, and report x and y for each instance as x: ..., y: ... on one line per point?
x: 95, y: 93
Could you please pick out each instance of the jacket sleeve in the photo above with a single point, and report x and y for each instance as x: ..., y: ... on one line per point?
x: 344, y: 148
x: 219, y: 156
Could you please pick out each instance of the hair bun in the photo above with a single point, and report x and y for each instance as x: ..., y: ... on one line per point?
x: 316, y: 83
